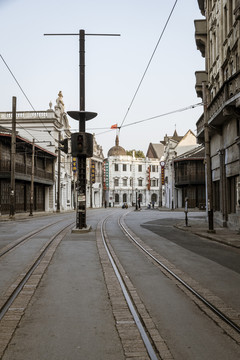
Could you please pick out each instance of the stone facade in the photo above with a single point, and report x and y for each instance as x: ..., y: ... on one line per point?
x: 217, y: 37
x: 174, y: 146
x: 47, y: 128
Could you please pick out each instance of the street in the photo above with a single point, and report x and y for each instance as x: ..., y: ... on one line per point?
x: 71, y: 313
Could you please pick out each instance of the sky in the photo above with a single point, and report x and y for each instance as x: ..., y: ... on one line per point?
x: 44, y: 65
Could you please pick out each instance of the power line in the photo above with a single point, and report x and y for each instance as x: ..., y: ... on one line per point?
x: 157, y: 116
x: 140, y: 83
x: 27, y: 100
x: 165, y: 114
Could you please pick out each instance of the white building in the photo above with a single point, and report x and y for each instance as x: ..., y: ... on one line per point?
x: 128, y: 178
x: 47, y: 128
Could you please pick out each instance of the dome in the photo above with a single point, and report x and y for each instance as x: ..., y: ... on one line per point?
x: 116, y: 150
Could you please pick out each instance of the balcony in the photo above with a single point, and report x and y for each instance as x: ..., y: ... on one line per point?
x: 189, y: 179
x: 23, y: 172
x: 189, y: 172
x: 226, y: 103
x: 201, y: 76
x: 201, y: 35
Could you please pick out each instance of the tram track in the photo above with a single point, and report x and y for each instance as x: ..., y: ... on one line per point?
x: 18, y: 295
x: 136, y: 316
x: 24, y: 238
x: 227, y: 318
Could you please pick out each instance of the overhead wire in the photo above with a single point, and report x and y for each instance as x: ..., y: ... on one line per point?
x: 156, y: 116
x: 14, y: 77
x: 149, y: 62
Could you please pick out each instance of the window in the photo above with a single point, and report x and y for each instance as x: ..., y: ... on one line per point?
x: 124, y: 167
x: 116, y: 182
x: 140, y: 168
x: 139, y: 182
x: 225, y: 22
x: 124, y: 182
x: 154, y: 182
x: 238, y: 127
x: 154, y: 168
x: 116, y: 167
x: 232, y: 194
x: 124, y: 198
x: 216, y: 195
x: 230, y: 14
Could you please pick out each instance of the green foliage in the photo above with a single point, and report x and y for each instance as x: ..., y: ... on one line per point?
x: 138, y: 153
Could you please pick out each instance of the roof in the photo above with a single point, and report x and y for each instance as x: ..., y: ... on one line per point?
x: 198, y: 153
x: 175, y: 137
x: 27, y: 142
x: 155, y: 151
x: 116, y: 150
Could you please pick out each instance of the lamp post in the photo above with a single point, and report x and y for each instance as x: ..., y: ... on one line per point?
x: 82, y: 116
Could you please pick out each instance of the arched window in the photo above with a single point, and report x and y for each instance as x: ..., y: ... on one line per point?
x: 116, y: 198
x: 124, y: 198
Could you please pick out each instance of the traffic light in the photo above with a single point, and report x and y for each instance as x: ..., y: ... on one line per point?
x: 64, y: 148
x: 82, y: 144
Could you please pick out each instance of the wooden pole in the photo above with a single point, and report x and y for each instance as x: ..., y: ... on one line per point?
x: 13, y: 158
x: 32, y: 179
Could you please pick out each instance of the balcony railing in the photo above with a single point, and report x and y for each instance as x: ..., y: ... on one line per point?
x: 227, y: 95
x: 5, y: 167
x: 189, y: 179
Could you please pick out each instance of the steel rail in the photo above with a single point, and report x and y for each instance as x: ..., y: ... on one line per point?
x: 20, y: 286
x: 218, y: 312
x: 145, y: 338
x: 25, y: 237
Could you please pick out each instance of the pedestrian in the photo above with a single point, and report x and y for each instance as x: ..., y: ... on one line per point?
x: 153, y: 204
x: 139, y: 203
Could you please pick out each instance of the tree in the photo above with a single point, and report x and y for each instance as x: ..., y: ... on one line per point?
x: 138, y: 153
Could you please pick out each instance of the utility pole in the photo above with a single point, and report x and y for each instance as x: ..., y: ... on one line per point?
x: 32, y: 179
x: 13, y: 158
x: 82, y: 142
x: 208, y: 162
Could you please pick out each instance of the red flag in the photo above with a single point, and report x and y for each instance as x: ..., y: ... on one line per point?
x: 114, y: 126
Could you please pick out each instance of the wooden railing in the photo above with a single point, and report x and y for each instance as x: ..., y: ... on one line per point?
x: 5, y: 166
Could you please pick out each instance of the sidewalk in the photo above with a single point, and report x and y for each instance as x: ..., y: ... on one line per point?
x: 221, y: 235
x: 25, y: 215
